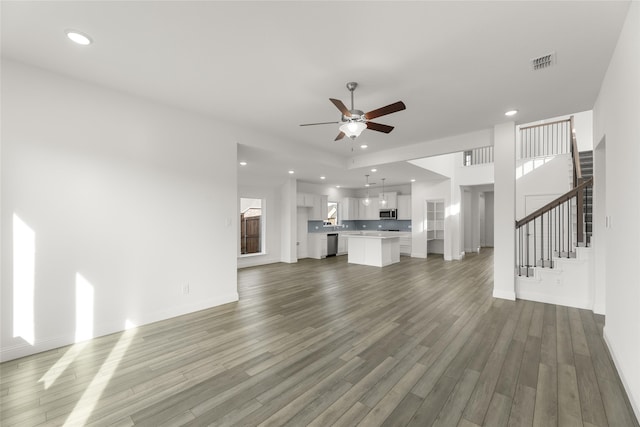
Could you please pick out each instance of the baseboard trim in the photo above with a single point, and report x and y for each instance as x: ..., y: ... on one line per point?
x: 550, y: 299
x: 499, y: 293
x: 635, y: 404
x: 51, y: 343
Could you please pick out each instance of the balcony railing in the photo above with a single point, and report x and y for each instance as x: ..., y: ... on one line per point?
x: 478, y: 156
x: 547, y: 139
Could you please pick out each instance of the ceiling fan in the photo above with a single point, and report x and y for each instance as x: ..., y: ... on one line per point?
x: 355, y: 121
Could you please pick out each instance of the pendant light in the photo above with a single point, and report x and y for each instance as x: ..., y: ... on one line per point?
x: 383, y: 199
x: 366, y: 201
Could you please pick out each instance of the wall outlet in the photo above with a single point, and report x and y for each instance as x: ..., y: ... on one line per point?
x: 185, y: 289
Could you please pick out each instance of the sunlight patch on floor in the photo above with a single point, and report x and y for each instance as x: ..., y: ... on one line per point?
x: 87, y: 403
x: 50, y: 377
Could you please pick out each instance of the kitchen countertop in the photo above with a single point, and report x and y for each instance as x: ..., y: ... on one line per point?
x: 373, y: 236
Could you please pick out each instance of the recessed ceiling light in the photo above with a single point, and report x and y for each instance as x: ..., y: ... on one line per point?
x: 337, y: 186
x: 413, y: 180
x: 363, y: 146
x: 323, y: 177
x: 374, y: 170
x: 291, y: 172
x: 78, y: 37
x: 243, y: 163
x: 511, y: 113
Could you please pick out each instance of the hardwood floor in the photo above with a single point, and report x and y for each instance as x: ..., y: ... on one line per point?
x: 323, y: 342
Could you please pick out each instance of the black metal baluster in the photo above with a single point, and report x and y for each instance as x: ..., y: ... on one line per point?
x: 549, y: 237
x: 542, y: 240
x: 520, y: 251
x: 528, y: 262
x: 561, y: 229
x: 534, y: 242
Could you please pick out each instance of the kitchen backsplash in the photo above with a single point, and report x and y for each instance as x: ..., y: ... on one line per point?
x: 383, y: 224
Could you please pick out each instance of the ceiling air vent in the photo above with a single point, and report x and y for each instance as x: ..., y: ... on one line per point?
x: 544, y: 61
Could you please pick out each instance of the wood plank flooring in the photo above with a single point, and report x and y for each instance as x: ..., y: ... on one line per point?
x: 324, y: 342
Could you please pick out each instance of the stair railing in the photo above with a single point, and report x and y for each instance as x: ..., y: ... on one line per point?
x: 549, y: 231
x: 575, y: 156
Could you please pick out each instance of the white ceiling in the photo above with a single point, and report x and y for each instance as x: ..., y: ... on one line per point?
x: 271, y: 66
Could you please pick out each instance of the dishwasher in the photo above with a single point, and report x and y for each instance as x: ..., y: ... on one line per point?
x: 332, y: 244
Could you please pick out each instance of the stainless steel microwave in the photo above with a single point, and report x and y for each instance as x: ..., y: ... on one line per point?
x: 388, y: 213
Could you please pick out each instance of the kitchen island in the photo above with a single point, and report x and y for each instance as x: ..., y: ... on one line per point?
x: 377, y: 250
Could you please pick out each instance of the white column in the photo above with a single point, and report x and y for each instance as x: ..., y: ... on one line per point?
x: 504, y: 144
x: 289, y: 219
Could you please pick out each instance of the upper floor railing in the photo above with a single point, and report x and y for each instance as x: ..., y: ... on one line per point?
x: 478, y: 156
x: 546, y: 139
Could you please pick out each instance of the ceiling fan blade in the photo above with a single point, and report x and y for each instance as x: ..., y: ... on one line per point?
x: 391, y: 108
x: 379, y: 127
x: 340, y: 136
x: 340, y: 105
x: 321, y: 123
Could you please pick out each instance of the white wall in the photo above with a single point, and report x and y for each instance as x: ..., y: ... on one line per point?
x: 468, y: 216
x: 133, y: 198
x: 543, y: 184
x: 271, y: 211
x: 488, y: 218
x: 615, y: 116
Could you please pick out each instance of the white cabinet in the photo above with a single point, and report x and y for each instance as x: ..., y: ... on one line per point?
x: 404, y: 206
x: 349, y: 209
x: 392, y: 200
x: 369, y: 212
x: 305, y: 200
x: 317, y: 245
x: 320, y: 207
x: 317, y: 203
x: 342, y: 244
x: 405, y: 243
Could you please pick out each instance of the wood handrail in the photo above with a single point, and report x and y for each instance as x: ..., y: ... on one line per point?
x: 554, y: 203
x: 575, y: 155
x: 545, y: 124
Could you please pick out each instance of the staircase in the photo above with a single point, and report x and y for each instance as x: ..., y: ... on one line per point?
x: 553, y: 256
x: 586, y: 166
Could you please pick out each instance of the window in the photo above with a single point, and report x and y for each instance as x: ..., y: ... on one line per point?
x: 251, y: 226
x: 332, y: 214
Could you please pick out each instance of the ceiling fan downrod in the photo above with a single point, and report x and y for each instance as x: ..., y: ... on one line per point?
x: 352, y: 86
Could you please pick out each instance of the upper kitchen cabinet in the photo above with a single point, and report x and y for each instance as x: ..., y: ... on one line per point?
x: 392, y: 200
x: 319, y: 211
x: 404, y: 206
x: 349, y: 209
x: 317, y: 203
x: 369, y: 212
x: 305, y: 200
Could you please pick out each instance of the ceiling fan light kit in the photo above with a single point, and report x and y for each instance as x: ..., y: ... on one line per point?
x: 355, y: 121
x: 352, y: 128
